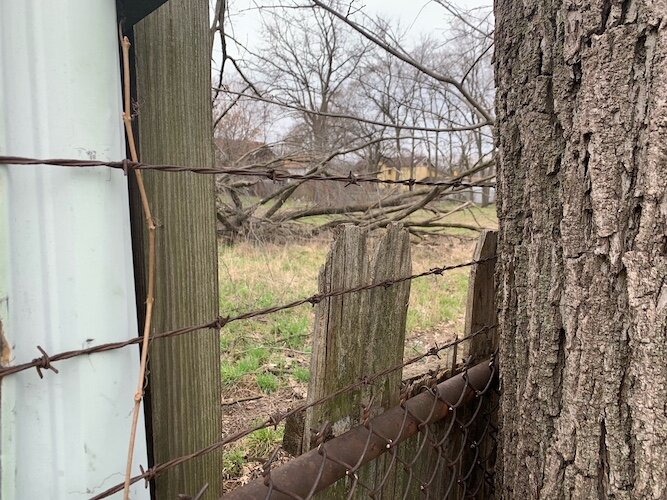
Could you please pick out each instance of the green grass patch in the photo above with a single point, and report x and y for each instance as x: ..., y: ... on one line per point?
x: 248, y: 363
x: 301, y: 374
x: 232, y: 462
x: 268, y: 382
x: 437, y: 300
x: 257, y: 446
x: 261, y: 443
x: 293, y: 329
x: 260, y: 276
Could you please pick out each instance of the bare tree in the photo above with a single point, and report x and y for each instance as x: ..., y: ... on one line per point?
x: 306, y: 60
x: 240, y: 126
x: 353, y: 91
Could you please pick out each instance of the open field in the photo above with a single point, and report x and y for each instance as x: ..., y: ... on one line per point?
x: 265, y: 362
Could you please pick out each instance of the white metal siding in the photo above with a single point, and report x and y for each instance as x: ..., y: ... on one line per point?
x: 65, y: 258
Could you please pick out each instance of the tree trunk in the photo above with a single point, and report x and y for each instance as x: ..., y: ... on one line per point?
x: 174, y: 107
x: 582, y: 136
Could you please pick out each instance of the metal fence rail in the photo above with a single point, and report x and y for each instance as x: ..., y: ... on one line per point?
x: 453, y: 419
x: 480, y: 387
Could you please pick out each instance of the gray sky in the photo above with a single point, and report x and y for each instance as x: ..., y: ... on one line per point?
x: 420, y: 16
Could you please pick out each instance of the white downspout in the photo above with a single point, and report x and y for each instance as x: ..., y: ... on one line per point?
x: 66, y: 279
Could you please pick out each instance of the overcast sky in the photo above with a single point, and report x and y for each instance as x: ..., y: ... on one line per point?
x: 420, y: 16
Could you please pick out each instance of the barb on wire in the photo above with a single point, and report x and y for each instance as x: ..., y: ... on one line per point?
x: 267, y: 173
x: 45, y: 363
x: 275, y: 419
x: 220, y: 322
x: 41, y: 362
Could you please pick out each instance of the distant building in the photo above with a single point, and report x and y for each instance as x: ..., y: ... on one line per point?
x: 295, y: 165
x: 421, y: 169
x: 394, y: 169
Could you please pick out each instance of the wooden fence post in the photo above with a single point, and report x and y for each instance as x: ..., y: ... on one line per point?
x: 481, y: 306
x: 171, y: 48
x: 363, y: 333
x: 358, y: 334
x: 481, y: 312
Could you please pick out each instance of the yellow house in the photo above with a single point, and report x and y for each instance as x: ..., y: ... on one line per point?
x: 392, y: 169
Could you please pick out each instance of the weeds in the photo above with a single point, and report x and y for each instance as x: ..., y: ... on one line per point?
x: 232, y: 462
x: 301, y: 374
x: 269, y: 354
x: 437, y: 300
x: 256, y: 447
x: 268, y: 382
x: 260, y: 444
x: 248, y: 364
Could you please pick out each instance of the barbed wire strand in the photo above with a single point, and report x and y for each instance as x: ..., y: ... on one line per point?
x: 272, y: 174
x: 45, y: 361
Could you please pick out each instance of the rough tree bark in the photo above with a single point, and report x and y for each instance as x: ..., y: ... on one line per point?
x: 582, y: 137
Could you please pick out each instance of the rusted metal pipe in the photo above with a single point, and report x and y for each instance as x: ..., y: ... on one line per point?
x: 314, y: 471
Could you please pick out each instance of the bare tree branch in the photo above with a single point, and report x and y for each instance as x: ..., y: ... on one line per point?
x: 484, y: 113
x: 343, y: 116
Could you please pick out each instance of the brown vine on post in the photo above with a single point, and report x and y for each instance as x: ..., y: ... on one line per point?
x: 150, y: 298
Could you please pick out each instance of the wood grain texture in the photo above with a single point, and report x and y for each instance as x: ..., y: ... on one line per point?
x: 174, y: 117
x: 481, y: 311
x: 359, y: 334
x: 481, y: 304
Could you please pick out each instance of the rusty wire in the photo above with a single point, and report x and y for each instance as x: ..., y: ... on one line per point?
x: 272, y: 174
x: 44, y: 362
x: 198, y: 496
x: 467, y: 475
x: 275, y: 419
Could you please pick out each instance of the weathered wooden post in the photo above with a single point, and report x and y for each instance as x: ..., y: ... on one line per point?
x: 481, y: 313
x: 358, y: 334
x: 481, y: 306
x: 364, y: 333
x: 171, y: 48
